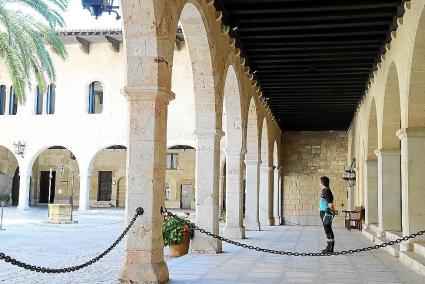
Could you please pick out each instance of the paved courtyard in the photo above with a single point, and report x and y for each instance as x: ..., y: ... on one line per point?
x: 28, y: 238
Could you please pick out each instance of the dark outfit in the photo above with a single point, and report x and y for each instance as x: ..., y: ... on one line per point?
x: 326, y: 198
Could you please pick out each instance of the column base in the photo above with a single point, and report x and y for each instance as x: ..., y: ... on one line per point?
x: 268, y: 222
x: 144, y: 273
x: 204, y: 244
x: 24, y: 207
x: 83, y: 209
x: 234, y: 232
x: 278, y: 220
x: 253, y: 226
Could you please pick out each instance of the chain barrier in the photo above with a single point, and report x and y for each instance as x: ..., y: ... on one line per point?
x: 290, y: 253
x: 15, y: 262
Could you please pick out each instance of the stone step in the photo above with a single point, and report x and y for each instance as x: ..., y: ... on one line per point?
x: 374, y: 228
x: 393, y: 250
x: 393, y: 235
x: 419, y: 248
x: 369, y: 234
x: 102, y: 204
x: 413, y: 261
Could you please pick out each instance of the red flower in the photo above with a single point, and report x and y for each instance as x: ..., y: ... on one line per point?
x: 182, y: 229
x: 186, y: 235
x: 187, y: 213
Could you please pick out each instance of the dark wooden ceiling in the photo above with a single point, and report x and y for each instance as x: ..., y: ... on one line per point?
x: 313, y: 57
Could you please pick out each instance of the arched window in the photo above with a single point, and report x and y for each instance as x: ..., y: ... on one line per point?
x: 51, y: 98
x: 13, y: 102
x: 2, y: 99
x: 39, y: 102
x: 95, y: 97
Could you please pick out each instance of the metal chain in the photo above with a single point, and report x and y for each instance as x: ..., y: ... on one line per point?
x: 15, y: 262
x: 290, y: 253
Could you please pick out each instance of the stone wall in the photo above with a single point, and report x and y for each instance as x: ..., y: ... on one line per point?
x: 307, y: 156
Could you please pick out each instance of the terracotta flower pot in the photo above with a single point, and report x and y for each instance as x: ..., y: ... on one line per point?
x: 180, y: 249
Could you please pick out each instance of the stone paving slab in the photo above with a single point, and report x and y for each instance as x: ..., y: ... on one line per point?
x: 29, y: 238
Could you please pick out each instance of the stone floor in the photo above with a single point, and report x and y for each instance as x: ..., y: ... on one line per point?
x: 28, y: 238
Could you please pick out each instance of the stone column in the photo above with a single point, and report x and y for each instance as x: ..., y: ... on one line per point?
x: 24, y: 191
x: 412, y: 182
x: 389, y: 191
x: 371, y: 192
x: 144, y: 251
x: 266, y: 184
x: 350, y: 198
x: 84, y: 202
x: 252, y: 194
x: 220, y: 192
x: 234, y: 228
x: 206, y: 195
x: 277, y: 196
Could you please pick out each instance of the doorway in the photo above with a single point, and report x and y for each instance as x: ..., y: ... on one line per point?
x: 15, y: 188
x: 105, y: 186
x: 186, y: 196
x: 44, y: 187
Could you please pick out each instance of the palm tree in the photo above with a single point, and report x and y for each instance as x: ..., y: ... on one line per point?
x: 27, y: 27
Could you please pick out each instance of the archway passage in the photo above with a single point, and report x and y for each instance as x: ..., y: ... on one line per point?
x: 54, y: 177
x: 389, y: 175
x: 266, y: 180
x: 252, y: 164
x: 106, y: 178
x: 371, y: 170
x: 232, y: 143
x: 9, y: 175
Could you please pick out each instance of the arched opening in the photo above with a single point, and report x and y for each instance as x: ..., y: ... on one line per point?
x: 231, y: 146
x: 265, y: 201
x: 9, y: 175
x: 252, y: 163
x: 389, y: 167
x: 107, y: 177
x: 371, y: 170
x: 54, y: 179
x: 95, y: 97
x: 180, y: 177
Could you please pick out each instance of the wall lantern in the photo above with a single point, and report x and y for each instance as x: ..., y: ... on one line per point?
x: 350, y: 175
x: 19, y: 148
x: 97, y: 7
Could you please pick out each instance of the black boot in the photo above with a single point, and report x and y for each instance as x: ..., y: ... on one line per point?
x: 327, y: 249
x: 332, y: 246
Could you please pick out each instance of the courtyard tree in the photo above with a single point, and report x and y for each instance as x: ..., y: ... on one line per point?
x: 27, y: 27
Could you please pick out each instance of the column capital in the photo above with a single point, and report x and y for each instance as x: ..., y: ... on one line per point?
x: 387, y: 152
x: 404, y: 133
x: 209, y: 133
x: 141, y: 94
x: 235, y: 151
x: 252, y: 162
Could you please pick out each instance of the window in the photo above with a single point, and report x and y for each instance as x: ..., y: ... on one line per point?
x: 172, y: 161
x: 95, y: 97
x: 2, y: 99
x: 39, y: 102
x: 51, y: 97
x: 167, y: 191
x: 13, y: 102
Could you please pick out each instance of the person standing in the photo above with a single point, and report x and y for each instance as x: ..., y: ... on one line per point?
x: 327, y: 211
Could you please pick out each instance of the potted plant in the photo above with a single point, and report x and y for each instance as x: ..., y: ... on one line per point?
x: 4, y: 199
x: 177, y: 234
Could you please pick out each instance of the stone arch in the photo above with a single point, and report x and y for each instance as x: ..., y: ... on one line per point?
x: 416, y: 100
x: 109, y: 162
x: 63, y: 185
x: 372, y: 137
x: 252, y: 162
x: 9, y: 172
x: 266, y: 180
x: 197, y: 36
x: 391, y: 115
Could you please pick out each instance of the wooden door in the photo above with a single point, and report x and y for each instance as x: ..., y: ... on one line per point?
x: 105, y: 186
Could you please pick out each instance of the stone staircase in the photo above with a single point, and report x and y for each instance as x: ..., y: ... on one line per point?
x: 415, y: 259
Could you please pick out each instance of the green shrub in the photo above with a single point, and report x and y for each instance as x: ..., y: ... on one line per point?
x: 4, y: 197
x: 175, y: 231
